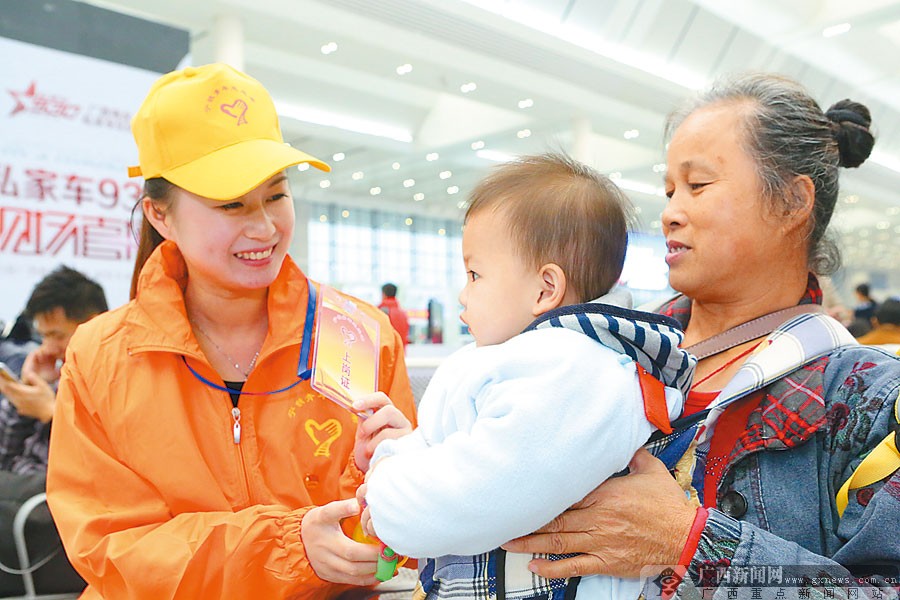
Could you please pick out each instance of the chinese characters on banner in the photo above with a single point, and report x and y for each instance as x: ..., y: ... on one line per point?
x: 65, y: 197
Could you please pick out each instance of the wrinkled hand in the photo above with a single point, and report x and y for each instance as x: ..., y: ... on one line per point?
x: 333, y: 556
x: 386, y: 422
x: 32, y: 397
x: 41, y: 362
x: 628, y: 522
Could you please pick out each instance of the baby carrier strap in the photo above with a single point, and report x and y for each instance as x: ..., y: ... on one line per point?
x: 654, y: 393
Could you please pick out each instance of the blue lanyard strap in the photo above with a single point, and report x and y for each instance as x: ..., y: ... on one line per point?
x: 305, y: 346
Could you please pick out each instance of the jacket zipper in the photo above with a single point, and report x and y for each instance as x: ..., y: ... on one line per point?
x: 236, y: 439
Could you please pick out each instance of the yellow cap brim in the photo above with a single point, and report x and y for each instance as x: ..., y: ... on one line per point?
x: 238, y: 169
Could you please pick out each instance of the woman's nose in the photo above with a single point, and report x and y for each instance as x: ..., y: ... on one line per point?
x: 672, y: 216
x: 261, y: 225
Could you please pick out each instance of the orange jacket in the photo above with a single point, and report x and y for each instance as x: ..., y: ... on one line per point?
x: 152, y: 497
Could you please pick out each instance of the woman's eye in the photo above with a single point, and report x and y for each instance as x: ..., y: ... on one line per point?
x: 277, y: 197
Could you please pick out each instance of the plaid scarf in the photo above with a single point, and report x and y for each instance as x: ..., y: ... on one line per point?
x: 786, y: 364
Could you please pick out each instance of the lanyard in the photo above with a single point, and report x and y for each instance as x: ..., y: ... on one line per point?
x: 303, y: 372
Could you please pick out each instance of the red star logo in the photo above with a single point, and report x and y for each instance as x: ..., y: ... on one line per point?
x: 22, y: 98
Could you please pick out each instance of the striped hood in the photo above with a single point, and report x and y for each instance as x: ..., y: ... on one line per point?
x: 650, y: 339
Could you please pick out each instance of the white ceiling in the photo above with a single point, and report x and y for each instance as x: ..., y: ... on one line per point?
x: 593, y: 70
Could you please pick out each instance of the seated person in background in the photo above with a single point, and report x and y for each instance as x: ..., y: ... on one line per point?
x: 60, y: 302
x: 886, y: 331
x: 866, y: 305
x: 547, y: 402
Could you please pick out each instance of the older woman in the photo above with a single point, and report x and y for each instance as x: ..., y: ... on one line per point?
x: 752, y: 183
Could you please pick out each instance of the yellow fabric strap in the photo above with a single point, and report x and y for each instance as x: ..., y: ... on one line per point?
x: 878, y: 465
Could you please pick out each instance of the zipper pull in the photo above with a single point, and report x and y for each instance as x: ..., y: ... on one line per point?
x: 236, y: 428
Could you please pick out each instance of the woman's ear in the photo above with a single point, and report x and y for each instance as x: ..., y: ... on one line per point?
x: 803, y: 195
x: 552, y: 292
x: 156, y: 216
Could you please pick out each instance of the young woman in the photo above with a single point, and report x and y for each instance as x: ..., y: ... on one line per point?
x: 190, y: 456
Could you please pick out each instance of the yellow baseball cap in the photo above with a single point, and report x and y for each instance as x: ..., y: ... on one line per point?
x: 212, y: 131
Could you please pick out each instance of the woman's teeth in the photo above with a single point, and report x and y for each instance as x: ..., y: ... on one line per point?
x: 255, y: 255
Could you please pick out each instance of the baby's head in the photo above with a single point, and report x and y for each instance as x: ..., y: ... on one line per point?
x: 540, y: 232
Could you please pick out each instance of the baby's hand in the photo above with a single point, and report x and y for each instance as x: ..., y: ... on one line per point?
x: 365, y: 518
x: 386, y: 422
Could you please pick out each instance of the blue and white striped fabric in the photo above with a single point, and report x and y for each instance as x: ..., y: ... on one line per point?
x: 650, y: 339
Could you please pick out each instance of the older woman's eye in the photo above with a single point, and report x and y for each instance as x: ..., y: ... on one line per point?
x: 697, y: 186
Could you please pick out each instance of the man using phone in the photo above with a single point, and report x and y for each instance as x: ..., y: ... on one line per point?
x: 58, y: 304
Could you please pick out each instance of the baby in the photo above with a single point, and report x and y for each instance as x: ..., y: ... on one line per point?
x: 560, y: 389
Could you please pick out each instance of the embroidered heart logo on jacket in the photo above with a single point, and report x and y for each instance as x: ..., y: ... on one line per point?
x: 323, y: 434
x: 237, y: 109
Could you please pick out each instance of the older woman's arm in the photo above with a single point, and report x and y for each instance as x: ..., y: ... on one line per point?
x: 643, y: 519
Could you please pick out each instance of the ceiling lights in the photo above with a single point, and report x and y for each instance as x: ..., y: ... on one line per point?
x: 495, y: 155
x: 834, y: 30
x: 404, y: 69
x: 345, y: 122
x: 329, y: 48
x: 477, y: 145
x: 468, y: 87
x: 526, y: 103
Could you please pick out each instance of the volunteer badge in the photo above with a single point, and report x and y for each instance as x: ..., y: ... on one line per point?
x: 345, y: 362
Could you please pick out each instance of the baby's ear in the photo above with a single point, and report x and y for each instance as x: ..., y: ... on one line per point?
x: 552, y: 292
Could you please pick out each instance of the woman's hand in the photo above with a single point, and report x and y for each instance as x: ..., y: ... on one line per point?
x: 628, y: 522
x: 333, y: 556
x: 385, y: 422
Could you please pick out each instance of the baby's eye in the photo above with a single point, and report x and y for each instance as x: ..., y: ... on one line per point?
x: 231, y: 206
x: 472, y: 275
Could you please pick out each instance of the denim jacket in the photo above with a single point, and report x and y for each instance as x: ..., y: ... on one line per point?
x: 775, y: 504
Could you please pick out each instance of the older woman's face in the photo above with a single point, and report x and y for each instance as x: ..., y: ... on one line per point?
x: 719, y: 234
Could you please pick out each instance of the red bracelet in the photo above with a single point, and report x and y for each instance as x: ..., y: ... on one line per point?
x: 693, y: 540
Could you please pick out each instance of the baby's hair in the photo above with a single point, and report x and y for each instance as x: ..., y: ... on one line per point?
x: 561, y: 211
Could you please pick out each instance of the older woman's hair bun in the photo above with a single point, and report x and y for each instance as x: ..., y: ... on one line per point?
x: 850, y: 123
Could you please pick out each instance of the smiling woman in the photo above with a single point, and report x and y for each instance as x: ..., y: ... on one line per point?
x: 779, y: 417
x: 188, y: 456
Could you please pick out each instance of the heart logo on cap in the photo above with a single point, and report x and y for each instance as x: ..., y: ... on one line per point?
x: 237, y: 109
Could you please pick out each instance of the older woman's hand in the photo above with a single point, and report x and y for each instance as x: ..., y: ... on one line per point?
x: 642, y: 518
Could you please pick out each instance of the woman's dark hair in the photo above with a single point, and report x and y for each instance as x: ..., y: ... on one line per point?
x: 789, y: 135
x: 158, y: 190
